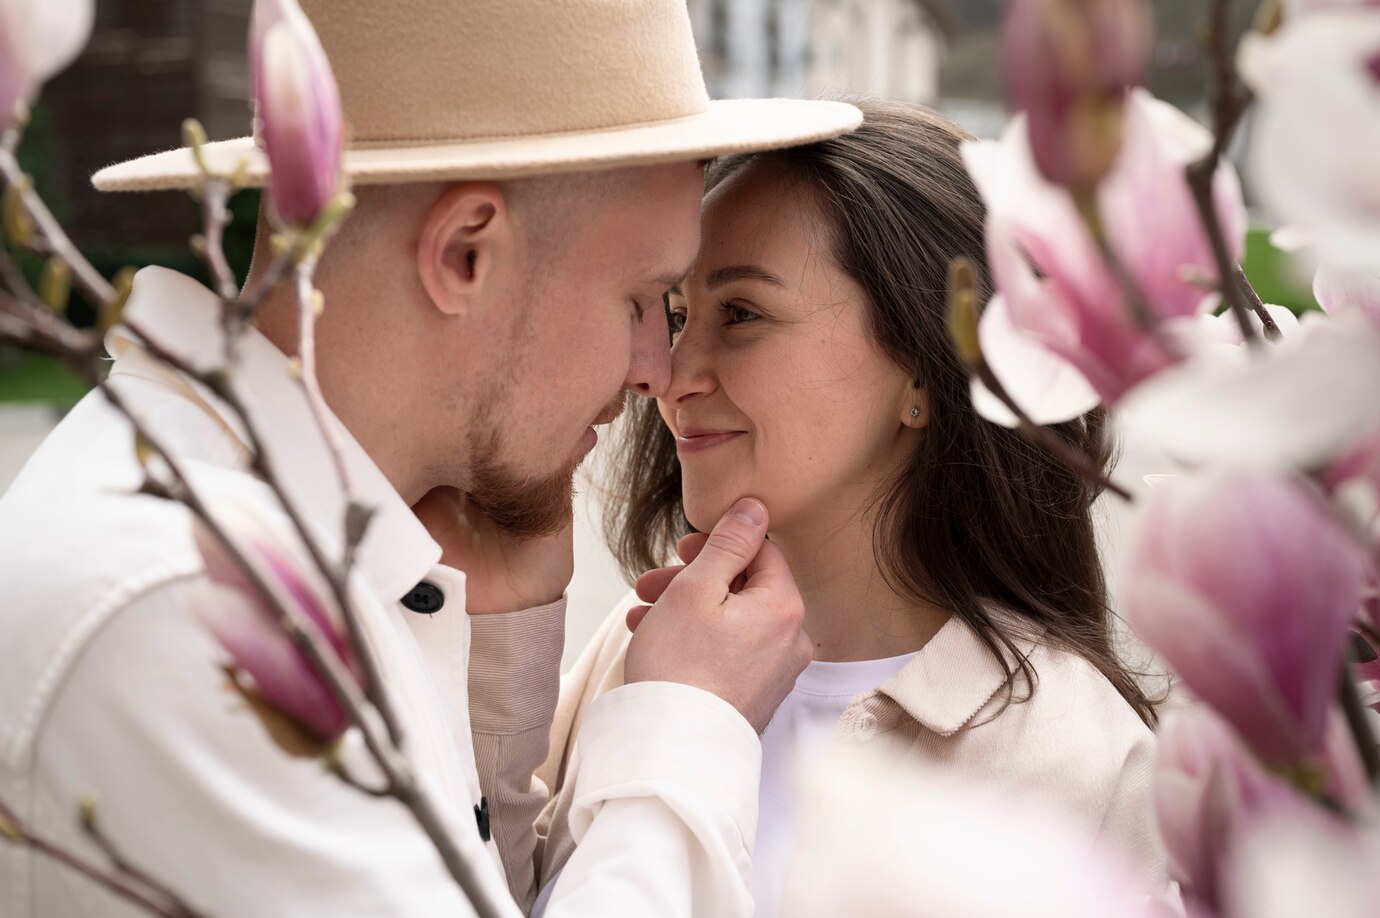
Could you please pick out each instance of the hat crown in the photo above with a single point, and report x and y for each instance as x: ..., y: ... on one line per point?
x: 415, y: 72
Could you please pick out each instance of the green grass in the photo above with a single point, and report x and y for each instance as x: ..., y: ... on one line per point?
x: 28, y: 377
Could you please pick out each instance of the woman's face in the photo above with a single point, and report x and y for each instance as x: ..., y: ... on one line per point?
x: 777, y: 389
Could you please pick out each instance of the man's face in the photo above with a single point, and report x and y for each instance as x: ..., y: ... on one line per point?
x: 589, y: 326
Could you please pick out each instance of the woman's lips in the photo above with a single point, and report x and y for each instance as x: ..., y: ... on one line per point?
x: 698, y: 441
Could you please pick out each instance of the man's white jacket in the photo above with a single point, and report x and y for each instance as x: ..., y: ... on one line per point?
x: 111, y: 688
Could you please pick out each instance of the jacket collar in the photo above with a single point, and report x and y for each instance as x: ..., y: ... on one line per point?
x: 397, y: 551
x: 954, y: 676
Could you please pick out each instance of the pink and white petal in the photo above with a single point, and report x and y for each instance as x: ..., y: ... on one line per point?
x: 1149, y: 211
x: 1290, y: 406
x: 1037, y: 215
x: 1313, y: 155
x: 63, y: 29
x: 1046, y: 386
x: 257, y: 646
x: 1339, y: 291
x: 1302, y: 861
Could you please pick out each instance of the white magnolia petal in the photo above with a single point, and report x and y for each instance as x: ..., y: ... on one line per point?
x: 1338, y: 291
x: 1046, y: 386
x: 63, y: 29
x: 1303, y: 863
x: 1313, y: 154
x: 1289, y: 406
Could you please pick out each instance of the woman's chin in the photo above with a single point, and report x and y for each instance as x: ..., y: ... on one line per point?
x: 704, y: 511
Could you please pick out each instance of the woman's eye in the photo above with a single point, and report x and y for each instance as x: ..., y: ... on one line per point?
x: 736, y: 315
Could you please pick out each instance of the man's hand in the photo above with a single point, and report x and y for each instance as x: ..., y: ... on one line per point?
x: 502, y: 572
x: 728, y: 621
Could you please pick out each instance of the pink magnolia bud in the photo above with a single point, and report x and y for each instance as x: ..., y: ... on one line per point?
x: 38, y: 38
x: 243, y: 622
x: 1058, y: 290
x: 1206, y: 783
x: 297, y: 104
x: 1069, y: 64
x: 1246, y: 586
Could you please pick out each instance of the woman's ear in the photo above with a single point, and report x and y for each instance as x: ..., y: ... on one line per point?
x: 466, y: 231
x: 915, y: 410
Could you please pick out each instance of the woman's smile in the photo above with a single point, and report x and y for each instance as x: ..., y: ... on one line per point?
x: 692, y: 440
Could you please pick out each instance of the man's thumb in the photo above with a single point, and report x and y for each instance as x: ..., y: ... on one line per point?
x: 733, y: 543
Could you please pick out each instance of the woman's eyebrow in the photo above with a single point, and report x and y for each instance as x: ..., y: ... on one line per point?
x: 721, y: 276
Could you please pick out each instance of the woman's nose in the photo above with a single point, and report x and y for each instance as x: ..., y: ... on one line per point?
x: 691, y: 366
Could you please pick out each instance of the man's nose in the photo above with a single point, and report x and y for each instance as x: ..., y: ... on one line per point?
x: 650, y: 370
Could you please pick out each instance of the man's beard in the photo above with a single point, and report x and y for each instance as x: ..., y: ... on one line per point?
x: 520, y: 506
x: 524, y: 507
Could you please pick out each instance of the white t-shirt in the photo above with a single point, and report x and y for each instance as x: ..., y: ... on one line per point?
x: 800, y: 732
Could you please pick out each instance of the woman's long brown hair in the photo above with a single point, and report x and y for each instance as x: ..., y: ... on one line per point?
x: 980, y: 517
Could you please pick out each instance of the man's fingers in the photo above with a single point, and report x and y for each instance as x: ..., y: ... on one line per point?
x: 635, y: 616
x: 690, y: 546
x: 652, y: 584
x: 767, y: 570
x: 732, y: 545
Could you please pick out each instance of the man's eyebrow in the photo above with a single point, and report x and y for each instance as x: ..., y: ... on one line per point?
x: 671, y: 281
x: 721, y: 276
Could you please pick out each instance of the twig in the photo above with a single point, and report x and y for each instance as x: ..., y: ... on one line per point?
x: 261, y: 462
x: 215, y: 215
x: 1229, y: 101
x: 963, y: 330
x: 1256, y: 304
x: 14, y: 278
x: 307, y: 307
x: 305, y: 635
x: 1042, y: 436
x: 18, y: 831
x: 91, y: 824
x: 96, y: 287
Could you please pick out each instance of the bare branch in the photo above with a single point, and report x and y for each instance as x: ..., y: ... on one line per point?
x: 156, y: 900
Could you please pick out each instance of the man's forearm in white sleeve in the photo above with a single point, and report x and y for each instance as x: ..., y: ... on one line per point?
x: 665, y: 807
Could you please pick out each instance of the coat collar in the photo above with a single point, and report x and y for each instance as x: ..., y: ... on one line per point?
x: 954, y: 675
x: 397, y: 551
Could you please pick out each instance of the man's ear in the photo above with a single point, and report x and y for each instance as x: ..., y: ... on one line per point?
x: 464, y: 233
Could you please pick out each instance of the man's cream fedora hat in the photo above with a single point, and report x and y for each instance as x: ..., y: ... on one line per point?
x: 492, y: 89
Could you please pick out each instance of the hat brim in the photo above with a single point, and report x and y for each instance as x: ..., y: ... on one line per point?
x: 727, y: 126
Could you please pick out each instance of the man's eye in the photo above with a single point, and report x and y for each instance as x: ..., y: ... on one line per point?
x: 675, y: 321
x: 638, y: 310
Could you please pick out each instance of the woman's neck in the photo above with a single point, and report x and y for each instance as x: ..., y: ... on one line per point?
x: 851, y: 613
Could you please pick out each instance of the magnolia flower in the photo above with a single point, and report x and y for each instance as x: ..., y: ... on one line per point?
x: 1246, y: 586
x: 1342, y: 292
x: 1313, y: 154
x: 1292, y: 862
x: 240, y: 618
x: 883, y: 841
x: 297, y: 105
x: 1353, y: 480
x: 1068, y: 67
x: 38, y: 38
x: 1056, y: 287
x: 1294, y: 405
x: 1205, y: 784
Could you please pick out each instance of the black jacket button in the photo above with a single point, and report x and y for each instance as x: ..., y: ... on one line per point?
x: 481, y: 816
x: 425, y: 598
